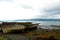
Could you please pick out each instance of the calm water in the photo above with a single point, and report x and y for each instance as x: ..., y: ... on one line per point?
x: 45, y: 24
x: 49, y: 22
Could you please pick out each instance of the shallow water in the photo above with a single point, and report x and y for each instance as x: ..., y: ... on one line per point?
x: 44, y: 22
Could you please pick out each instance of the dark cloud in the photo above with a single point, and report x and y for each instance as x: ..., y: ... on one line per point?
x: 52, y: 11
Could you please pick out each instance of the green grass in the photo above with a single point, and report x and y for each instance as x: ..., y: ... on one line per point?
x: 2, y: 38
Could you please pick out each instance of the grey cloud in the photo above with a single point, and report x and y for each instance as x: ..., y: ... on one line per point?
x: 26, y: 6
x: 53, y: 10
x: 50, y: 12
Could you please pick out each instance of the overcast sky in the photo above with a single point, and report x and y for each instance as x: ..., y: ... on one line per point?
x: 27, y: 9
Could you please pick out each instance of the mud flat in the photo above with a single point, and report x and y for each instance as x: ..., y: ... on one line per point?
x: 39, y: 34
x: 15, y: 36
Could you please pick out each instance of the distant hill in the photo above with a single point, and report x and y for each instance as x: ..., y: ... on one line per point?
x: 30, y: 20
x: 38, y: 20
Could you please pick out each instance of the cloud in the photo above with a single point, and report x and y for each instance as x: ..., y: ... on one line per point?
x: 54, y: 12
x: 26, y: 9
x: 7, y: 0
x: 51, y: 10
x: 11, y: 11
x: 26, y: 6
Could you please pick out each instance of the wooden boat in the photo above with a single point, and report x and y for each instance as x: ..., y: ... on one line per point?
x: 11, y: 26
x: 7, y: 29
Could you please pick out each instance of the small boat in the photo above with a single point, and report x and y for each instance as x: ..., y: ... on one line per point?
x: 7, y: 29
x: 11, y: 26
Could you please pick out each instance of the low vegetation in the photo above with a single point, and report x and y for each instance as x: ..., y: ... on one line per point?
x: 3, y: 38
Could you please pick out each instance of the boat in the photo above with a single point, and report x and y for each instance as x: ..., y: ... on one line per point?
x: 7, y: 29
x: 11, y: 26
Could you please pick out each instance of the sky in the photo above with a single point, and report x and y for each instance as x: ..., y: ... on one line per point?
x: 29, y: 9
